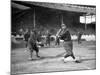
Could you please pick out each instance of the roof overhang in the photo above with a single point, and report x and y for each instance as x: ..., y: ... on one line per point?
x: 60, y: 6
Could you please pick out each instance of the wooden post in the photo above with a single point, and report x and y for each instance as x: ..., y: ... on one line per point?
x: 34, y: 18
x: 62, y: 19
x: 85, y: 23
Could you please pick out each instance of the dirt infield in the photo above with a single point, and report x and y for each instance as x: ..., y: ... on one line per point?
x: 51, y: 59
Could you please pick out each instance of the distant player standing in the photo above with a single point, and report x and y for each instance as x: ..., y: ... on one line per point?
x: 48, y: 38
x: 26, y: 36
x: 57, y: 41
x: 32, y: 43
x: 79, y: 37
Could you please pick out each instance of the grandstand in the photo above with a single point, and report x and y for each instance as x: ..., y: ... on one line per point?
x: 48, y: 16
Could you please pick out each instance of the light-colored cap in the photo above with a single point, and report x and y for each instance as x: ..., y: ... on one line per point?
x: 63, y: 24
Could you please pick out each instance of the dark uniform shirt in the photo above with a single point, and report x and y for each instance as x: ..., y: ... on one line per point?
x: 79, y: 35
x: 33, y: 37
x: 26, y: 36
x: 39, y: 37
x: 65, y: 35
x: 48, y: 36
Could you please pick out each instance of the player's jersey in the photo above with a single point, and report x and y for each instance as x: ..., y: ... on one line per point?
x: 33, y: 37
x: 65, y: 35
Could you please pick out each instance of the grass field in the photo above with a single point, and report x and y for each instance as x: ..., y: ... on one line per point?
x: 51, y: 59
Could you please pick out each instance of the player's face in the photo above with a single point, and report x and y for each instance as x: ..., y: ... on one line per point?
x: 63, y: 27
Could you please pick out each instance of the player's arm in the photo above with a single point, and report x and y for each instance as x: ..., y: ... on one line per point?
x: 58, y: 33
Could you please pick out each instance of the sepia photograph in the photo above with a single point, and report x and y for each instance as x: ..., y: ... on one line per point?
x: 52, y: 37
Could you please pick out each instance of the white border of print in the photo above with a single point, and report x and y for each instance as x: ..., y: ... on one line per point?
x: 5, y: 24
